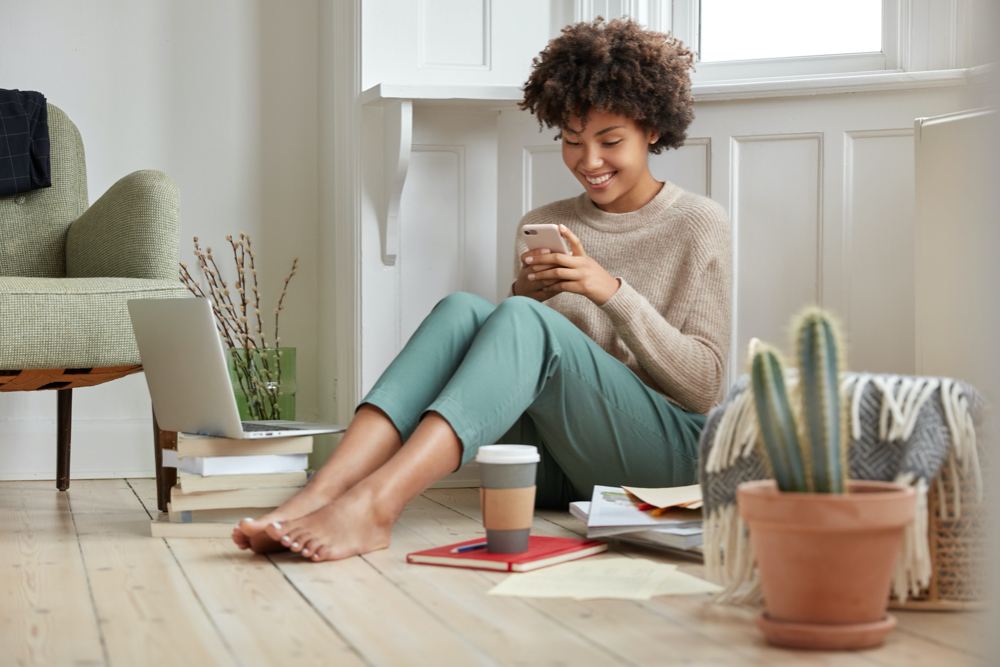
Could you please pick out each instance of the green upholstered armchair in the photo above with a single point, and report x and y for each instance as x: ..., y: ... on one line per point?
x: 66, y: 272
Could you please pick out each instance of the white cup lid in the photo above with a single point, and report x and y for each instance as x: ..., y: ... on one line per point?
x: 508, y: 454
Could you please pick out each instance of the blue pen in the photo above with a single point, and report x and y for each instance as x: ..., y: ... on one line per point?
x: 469, y: 547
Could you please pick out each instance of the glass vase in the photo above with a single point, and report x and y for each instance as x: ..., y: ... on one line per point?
x: 264, y: 382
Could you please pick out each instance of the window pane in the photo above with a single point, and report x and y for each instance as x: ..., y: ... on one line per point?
x: 751, y: 29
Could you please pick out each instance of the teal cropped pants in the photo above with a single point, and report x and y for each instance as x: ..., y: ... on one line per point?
x: 522, y: 373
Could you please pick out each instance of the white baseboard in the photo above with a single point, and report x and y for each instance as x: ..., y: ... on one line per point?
x: 99, y: 449
x: 107, y: 474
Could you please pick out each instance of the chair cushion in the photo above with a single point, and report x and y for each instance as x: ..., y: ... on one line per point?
x: 72, y: 322
x: 33, y: 225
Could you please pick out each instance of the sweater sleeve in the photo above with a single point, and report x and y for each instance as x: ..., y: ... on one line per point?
x: 688, y: 361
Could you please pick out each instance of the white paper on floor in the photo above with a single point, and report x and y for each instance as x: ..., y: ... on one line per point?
x: 619, y: 578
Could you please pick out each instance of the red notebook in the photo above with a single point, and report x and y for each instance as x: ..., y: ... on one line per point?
x: 542, y: 552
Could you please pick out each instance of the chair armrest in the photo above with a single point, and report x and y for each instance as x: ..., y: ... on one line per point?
x: 130, y: 232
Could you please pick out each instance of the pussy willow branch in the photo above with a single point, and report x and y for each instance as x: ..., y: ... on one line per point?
x: 281, y: 301
x: 233, y: 321
x: 256, y: 293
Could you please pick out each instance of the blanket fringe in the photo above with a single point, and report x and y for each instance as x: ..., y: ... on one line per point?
x: 913, y: 564
x: 736, y: 434
x: 729, y: 559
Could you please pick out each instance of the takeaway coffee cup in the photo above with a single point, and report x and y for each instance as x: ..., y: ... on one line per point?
x: 507, y: 495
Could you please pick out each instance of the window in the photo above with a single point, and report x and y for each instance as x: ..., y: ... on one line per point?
x: 741, y: 40
x: 750, y: 39
x: 741, y: 30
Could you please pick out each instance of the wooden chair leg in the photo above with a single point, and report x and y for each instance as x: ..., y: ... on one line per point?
x: 165, y: 477
x: 64, y: 424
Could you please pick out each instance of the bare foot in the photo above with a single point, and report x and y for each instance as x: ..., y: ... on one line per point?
x: 250, y: 534
x: 350, y: 525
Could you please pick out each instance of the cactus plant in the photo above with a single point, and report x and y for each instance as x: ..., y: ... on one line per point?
x: 809, y: 457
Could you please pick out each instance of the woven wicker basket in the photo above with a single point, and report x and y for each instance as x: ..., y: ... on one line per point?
x: 958, y: 546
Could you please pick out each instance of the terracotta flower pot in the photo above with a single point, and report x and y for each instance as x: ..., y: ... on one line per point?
x: 826, y: 560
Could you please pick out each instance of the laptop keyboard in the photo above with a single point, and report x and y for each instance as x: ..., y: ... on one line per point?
x: 266, y: 427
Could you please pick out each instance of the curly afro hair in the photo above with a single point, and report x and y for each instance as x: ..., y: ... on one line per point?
x: 615, y: 67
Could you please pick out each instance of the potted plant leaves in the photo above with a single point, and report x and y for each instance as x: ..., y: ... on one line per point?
x: 825, y: 546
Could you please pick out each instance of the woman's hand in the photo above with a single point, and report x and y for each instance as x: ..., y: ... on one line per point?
x: 575, y: 273
x: 532, y: 262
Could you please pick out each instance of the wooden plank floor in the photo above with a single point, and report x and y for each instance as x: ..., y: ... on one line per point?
x: 81, y: 582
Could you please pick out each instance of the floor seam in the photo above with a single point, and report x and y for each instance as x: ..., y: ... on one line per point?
x: 430, y: 612
x: 319, y: 613
x: 201, y: 603
x: 86, y: 576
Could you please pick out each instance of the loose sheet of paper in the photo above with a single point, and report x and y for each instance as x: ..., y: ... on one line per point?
x: 619, y: 578
x: 669, y: 496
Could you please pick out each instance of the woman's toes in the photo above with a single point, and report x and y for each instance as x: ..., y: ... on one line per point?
x: 309, y: 546
x: 298, y: 541
x: 263, y: 544
x: 295, y: 543
x: 251, y: 527
x: 275, y: 530
x: 240, y: 540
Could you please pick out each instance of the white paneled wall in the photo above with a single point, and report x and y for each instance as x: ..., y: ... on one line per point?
x: 441, y: 47
x: 776, y: 214
x: 879, y: 231
x: 432, y: 232
x: 820, y: 195
x: 447, y: 228
x: 448, y: 42
x: 816, y: 173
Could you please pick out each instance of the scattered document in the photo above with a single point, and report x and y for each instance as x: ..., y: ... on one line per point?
x: 613, y: 512
x: 675, y: 496
x: 685, y: 536
x: 598, y: 578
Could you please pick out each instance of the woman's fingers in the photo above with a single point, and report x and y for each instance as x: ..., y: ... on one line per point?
x: 532, y: 256
x: 574, y: 242
x: 556, y: 274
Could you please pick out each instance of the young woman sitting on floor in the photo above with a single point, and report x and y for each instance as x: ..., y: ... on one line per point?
x: 606, y: 359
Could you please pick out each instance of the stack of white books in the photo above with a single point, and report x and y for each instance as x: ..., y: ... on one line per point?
x: 223, y: 480
x: 654, y: 517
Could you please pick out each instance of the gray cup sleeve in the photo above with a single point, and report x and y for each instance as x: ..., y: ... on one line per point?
x: 507, y: 541
x: 508, y: 475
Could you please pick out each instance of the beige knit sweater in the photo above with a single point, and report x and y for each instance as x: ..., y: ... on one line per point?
x: 671, y: 318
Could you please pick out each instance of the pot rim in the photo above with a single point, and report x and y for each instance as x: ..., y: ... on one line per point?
x: 878, y: 506
x: 874, y: 491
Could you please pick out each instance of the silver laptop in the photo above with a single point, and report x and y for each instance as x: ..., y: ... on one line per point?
x: 187, y: 374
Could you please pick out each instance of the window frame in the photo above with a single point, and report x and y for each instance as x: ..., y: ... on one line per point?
x: 685, y: 25
x: 917, y: 36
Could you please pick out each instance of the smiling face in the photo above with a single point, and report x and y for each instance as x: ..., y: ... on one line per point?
x: 608, y: 157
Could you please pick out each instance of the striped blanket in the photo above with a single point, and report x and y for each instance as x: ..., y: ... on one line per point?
x: 903, y: 429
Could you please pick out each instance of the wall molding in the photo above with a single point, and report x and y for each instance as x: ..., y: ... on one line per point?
x: 485, y: 63
x: 527, y: 166
x: 847, y: 224
x: 459, y: 151
x: 397, y: 137
x: 345, y: 217
x: 507, y: 96
x: 735, y: 141
x: 707, y: 143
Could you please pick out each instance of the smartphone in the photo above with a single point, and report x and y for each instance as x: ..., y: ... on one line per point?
x: 545, y: 236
